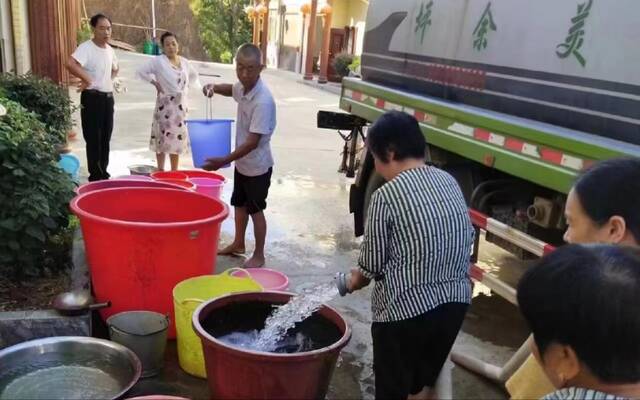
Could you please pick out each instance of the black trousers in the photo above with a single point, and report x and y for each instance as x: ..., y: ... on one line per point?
x: 408, y: 355
x: 97, y: 125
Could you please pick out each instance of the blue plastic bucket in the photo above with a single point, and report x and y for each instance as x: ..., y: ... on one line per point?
x: 209, y: 138
x: 70, y: 164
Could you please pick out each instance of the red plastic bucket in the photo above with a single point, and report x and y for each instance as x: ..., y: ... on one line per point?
x: 122, y: 183
x: 141, y: 242
x: 208, y: 187
x: 178, y: 182
x: 135, y: 177
x: 236, y: 373
x: 169, y: 175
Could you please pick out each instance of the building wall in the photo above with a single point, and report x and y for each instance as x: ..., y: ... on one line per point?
x: 292, y: 41
x: 351, y: 13
x: 291, y: 46
x: 358, y: 16
x: 340, y: 17
x: 6, y: 37
x: 21, y: 37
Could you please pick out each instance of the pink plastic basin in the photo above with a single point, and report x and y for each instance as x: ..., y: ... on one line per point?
x: 208, y: 187
x: 200, y: 173
x: 269, y: 279
x: 125, y: 183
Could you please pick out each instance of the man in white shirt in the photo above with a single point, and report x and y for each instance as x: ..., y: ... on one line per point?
x: 255, y: 124
x: 94, y: 62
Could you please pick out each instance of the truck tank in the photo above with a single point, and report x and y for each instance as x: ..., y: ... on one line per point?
x: 572, y: 64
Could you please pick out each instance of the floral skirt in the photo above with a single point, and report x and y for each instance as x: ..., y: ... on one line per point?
x: 168, y: 130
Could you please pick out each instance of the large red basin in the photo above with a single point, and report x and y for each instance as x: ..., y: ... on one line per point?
x: 141, y: 242
x: 236, y: 373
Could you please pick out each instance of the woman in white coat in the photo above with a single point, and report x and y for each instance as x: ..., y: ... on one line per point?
x: 171, y: 75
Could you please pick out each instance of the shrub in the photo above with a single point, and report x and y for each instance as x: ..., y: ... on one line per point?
x: 84, y: 33
x: 355, y: 65
x: 226, y: 57
x: 341, y: 64
x: 34, y: 193
x: 42, y: 96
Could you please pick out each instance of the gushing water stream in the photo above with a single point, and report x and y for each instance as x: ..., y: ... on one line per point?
x: 273, y: 338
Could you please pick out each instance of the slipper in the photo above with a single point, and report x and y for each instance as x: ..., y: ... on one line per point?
x: 232, y: 253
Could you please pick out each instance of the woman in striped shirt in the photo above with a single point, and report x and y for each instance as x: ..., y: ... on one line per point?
x: 416, y: 248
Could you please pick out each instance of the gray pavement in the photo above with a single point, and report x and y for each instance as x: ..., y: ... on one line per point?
x: 310, y: 229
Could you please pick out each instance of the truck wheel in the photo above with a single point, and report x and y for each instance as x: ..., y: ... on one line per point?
x: 373, y: 183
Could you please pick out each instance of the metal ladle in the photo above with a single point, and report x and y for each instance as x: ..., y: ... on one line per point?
x: 76, y: 302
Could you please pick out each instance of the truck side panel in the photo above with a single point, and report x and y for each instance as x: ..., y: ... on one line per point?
x: 546, y: 155
x: 571, y: 64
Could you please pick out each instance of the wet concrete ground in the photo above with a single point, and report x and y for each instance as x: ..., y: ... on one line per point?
x: 310, y: 230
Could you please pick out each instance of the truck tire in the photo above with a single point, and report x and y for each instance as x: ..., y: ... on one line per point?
x: 374, y: 182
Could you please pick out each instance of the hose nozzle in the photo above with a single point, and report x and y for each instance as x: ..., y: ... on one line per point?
x: 341, y: 280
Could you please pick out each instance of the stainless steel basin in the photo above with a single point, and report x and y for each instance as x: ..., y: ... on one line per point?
x: 67, y: 367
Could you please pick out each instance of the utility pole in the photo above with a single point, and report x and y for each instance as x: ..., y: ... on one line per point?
x: 153, y: 18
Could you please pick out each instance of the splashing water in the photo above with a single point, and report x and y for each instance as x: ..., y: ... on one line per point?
x: 283, y: 318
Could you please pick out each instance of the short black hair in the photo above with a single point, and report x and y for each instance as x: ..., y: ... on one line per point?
x: 399, y: 133
x: 250, y: 50
x: 96, y: 18
x: 609, y: 188
x: 167, y: 35
x: 588, y: 297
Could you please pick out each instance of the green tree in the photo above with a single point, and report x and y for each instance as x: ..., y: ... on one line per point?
x: 223, y: 27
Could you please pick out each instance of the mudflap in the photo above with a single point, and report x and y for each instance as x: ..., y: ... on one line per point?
x: 357, y: 192
x: 356, y: 207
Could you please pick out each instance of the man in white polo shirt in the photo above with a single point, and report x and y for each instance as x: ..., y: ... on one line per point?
x: 255, y: 124
x: 94, y: 62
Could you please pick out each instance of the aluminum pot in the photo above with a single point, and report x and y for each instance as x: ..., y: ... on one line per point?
x: 145, y: 333
x: 67, y: 367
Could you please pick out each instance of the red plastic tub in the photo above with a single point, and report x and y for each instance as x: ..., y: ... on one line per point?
x: 169, y: 175
x: 236, y: 373
x: 121, y: 183
x: 178, y: 182
x: 141, y: 242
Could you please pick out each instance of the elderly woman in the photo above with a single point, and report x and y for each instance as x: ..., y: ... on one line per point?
x: 582, y: 304
x: 416, y: 248
x: 171, y: 75
x: 602, y: 207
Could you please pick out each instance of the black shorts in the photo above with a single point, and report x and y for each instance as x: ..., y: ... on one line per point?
x: 408, y: 355
x: 251, y: 191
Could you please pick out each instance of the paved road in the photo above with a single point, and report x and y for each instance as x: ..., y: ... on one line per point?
x: 310, y: 231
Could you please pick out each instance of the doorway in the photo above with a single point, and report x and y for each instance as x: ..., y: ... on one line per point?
x: 337, y: 45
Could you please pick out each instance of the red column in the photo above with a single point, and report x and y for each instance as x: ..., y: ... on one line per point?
x: 311, y: 41
x: 326, y: 37
x: 265, y: 34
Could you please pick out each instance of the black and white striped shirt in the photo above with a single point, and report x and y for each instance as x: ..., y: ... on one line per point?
x: 417, y: 244
x: 574, y: 393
